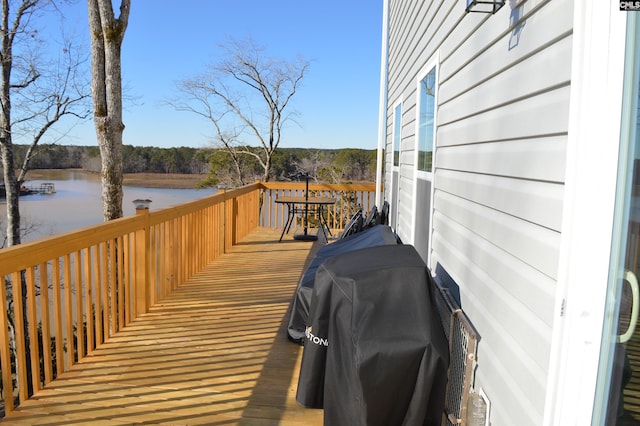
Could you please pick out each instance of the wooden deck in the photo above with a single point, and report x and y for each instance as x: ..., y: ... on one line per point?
x: 215, y: 352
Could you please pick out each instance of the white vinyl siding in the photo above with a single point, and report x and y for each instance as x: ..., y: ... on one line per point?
x: 501, y: 139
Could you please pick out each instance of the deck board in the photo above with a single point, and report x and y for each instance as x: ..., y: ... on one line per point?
x: 214, y: 352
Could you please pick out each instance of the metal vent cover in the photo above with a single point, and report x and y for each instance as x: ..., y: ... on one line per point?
x: 462, y: 339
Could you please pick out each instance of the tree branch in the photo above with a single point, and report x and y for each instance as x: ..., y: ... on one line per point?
x: 267, y: 85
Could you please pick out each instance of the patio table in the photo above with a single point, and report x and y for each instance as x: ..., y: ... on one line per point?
x: 304, y: 205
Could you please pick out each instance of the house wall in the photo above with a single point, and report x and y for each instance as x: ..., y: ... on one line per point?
x: 501, y: 137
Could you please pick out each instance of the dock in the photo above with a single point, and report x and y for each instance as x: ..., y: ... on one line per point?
x: 43, y: 188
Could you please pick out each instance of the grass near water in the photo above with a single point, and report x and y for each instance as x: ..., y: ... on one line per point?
x: 145, y: 180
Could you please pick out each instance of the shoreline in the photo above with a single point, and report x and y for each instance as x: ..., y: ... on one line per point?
x: 162, y: 180
x: 143, y: 180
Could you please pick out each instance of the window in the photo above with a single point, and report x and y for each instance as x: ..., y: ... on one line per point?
x: 397, y: 131
x: 421, y: 229
x: 426, y: 121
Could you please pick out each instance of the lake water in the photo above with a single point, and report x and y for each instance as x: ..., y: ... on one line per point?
x: 77, y: 203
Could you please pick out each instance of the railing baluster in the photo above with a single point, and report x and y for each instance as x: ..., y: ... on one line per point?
x: 79, y: 323
x: 104, y: 285
x: 68, y: 303
x: 21, y: 356
x: 32, y: 326
x: 88, y: 300
x: 5, y: 349
x: 45, y: 323
x: 112, y: 266
x: 57, y: 316
x: 123, y: 299
x: 97, y: 281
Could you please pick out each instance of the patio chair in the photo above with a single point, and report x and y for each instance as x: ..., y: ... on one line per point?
x: 354, y: 225
x: 383, y: 218
x: 372, y: 218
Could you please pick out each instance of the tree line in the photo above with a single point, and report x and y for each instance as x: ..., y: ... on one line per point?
x: 288, y: 164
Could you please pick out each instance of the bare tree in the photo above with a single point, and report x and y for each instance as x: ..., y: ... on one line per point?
x: 107, y: 33
x: 27, y: 228
x: 63, y: 91
x: 230, y: 142
x: 313, y: 166
x: 245, y: 95
x: 33, y: 96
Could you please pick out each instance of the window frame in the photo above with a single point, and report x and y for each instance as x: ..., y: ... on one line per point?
x: 431, y: 65
x: 396, y: 145
x: 396, y: 134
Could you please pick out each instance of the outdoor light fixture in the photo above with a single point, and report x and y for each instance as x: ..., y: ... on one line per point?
x: 142, y: 204
x: 484, y: 6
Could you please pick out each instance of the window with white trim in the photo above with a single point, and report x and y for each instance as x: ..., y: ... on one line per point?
x: 426, y: 120
x: 397, y: 132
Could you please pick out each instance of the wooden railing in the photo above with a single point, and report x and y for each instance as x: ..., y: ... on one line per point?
x: 67, y: 294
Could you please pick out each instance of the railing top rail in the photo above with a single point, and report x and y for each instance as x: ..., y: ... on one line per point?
x: 321, y: 186
x: 44, y: 249
x: 32, y: 253
x: 159, y: 216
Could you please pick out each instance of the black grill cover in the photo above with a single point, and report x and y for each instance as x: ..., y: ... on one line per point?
x: 299, y: 307
x: 375, y: 352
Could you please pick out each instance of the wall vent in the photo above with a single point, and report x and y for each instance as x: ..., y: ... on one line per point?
x: 462, y: 339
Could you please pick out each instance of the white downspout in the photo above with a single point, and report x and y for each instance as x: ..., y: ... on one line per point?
x: 382, y: 112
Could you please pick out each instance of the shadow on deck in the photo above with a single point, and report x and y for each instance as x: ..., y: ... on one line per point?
x: 214, y: 352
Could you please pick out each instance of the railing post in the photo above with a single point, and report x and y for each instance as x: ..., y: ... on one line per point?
x: 142, y: 262
x: 259, y: 203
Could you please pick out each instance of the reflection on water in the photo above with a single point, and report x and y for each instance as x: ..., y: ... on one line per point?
x: 77, y: 203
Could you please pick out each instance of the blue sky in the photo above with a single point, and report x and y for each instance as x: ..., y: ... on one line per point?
x: 169, y: 41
